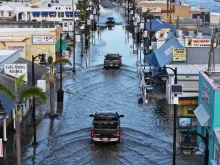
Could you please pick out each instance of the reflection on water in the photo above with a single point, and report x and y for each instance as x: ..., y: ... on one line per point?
x: 26, y: 26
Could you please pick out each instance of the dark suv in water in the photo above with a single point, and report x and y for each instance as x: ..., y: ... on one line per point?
x: 110, y: 20
x: 105, y: 127
x: 112, y: 61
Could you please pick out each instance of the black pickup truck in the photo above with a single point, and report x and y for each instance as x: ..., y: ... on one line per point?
x: 105, y: 127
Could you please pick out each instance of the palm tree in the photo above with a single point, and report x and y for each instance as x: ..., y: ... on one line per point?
x: 28, y: 92
x: 52, y: 65
x: 83, y: 5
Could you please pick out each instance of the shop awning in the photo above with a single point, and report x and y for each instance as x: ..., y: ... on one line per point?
x: 64, y: 45
x: 7, y: 104
x: 69, y: 13
x: 35, y: 13
x: 202, y: 116
x: 44, y: 13
x: 151, y: 58
x: 52, y: 13
x: 157, y: 25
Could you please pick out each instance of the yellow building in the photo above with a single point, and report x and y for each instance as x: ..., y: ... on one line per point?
x: 30, y: 41
x: 159, y: 8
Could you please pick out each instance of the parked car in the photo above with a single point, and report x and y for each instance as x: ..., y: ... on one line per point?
x: 105, y: 127
x: 112, y: 61
x: 110, y: 20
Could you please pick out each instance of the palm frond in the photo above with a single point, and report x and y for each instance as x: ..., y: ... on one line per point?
x: 33, y: 92
x: 61, y: 60
x: 50, y: 60
x: 4, y: 90
x: 19, y: 81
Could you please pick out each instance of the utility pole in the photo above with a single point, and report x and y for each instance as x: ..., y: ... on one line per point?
x: 211, y: 64
x: 170, y: 11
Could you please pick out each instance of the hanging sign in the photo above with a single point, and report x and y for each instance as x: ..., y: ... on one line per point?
x: 16, y: 70
x: 1, y: 148
x: 189, y: 42
x: 179, y: 54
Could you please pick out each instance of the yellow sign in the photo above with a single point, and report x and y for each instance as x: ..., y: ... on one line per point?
x: 166, y: 29
x: 179, y: 54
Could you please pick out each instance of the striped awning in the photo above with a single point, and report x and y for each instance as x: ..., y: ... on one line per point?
x: 69, y: 13
x: 44, y: 13
x: 35, y: 13
x: 52, y: 13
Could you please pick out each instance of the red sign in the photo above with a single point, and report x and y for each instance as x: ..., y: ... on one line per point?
x: 1, y: 148
x: 188, y: 102
x: 16, y: 48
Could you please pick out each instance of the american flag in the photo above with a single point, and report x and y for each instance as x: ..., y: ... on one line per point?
x: 1, y: 148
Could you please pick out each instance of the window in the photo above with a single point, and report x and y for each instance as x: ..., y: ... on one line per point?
x: 56, y: 8
x: 9, y: 14
x: 52, y: 1
x: 190, y: 111
x: 2, y: 13
x: 66, y: 8
x: 57, y: 1
x: 60, y: 14
x: 70, y: 23
x: 65, y: 24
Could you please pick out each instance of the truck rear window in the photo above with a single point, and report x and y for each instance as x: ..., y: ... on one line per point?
x: 110, y: 125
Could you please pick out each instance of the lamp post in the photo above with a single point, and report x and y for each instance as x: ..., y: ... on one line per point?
x: 206, y: 142
x: 60, y: 90
x: 174, y: 117
x: 42, y: 62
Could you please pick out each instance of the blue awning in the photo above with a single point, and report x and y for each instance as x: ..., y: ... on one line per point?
x: 151, y: 58
x: 52, y: 13
x: 164, y: 54
x: 7, y: 104
x: 44, y: 13
x: 35, y: 13
x: 76, y: 13
x: 69, y: 13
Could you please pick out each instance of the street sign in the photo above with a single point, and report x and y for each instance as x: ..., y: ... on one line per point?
x: 1, y: 148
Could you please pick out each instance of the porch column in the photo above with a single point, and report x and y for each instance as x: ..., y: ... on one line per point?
x: 4, y: 131
x: 26, y: 15
x: 13, y: 116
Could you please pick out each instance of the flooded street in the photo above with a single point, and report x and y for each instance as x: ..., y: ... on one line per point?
x: 146, y: 136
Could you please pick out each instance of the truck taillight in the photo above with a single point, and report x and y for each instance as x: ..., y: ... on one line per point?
x: 105, y: 62
x: 119, y: 62
x: 118, y: 133
x: 92, y: 132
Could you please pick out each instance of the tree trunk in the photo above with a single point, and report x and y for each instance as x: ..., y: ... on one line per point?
x: 52, y: 101
x: 18, y: 141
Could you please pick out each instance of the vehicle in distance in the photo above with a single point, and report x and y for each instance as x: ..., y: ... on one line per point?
x: 105, y: 127
x: 110, y: 20
x: 112, y: 61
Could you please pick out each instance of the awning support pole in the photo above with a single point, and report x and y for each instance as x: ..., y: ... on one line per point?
x: 4, y: 131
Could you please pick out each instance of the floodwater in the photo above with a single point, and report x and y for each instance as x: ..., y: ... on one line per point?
x: 146, y: 137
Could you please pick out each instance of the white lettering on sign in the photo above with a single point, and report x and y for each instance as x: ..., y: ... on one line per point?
x: 43, y: 40
x: 16, y: 70
x: 16, y: 48
x: 1, y: 148
x: 205, y: 93
x: 169, y: 50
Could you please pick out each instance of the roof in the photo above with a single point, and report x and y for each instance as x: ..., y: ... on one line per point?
x: 12, y: 38
x: 4, y: 54
x: 164, y: 55
x: 157, y: 25
x: 15, y: 4
x: 189, y: 69
x: 26, y: 30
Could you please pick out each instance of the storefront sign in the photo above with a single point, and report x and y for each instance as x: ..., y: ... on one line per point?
x: 179, y: 54
x: 1, y: 148
x: 21, y: 48
x: 151, y: 9
x: 205, y: 94
x: 16, y: 70
x: 188, y: 102
x: 42, y: 40
x: 189, y: 42
x: 166, y: 29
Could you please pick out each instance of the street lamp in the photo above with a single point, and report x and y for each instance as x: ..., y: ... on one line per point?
x: 60, y: 90
x: 42, y: 62
x: 174, y: 116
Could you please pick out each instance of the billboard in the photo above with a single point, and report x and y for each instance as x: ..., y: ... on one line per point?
x: 42, y: 40
x: 197, y: 42
x: 16, y: 70
x: 179, y: 54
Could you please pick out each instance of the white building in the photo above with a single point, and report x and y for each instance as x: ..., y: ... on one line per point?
x: 54, y: 13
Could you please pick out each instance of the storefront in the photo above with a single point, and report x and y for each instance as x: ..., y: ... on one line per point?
x: 208, y: 114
